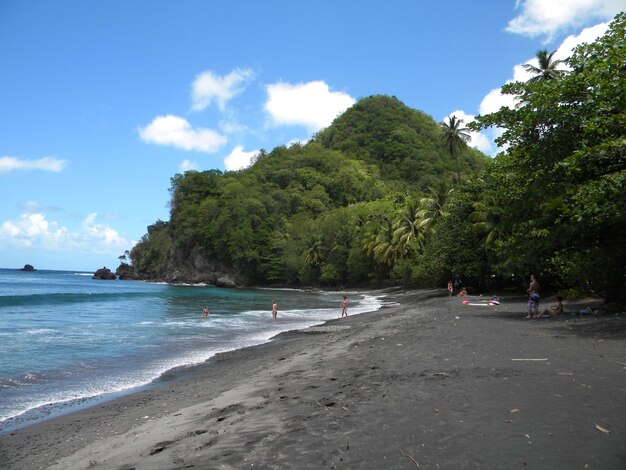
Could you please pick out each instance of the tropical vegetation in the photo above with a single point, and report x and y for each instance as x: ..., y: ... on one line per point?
x: 387, y: 195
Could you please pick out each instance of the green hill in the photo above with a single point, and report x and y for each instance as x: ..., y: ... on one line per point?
x: 303, y: 215
x: 403, y: 142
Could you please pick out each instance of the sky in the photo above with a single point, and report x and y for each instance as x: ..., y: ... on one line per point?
x: 103, y: 102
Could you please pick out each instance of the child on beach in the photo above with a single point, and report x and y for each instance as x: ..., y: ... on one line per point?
x: 450, y: 288
x: 344, y: 307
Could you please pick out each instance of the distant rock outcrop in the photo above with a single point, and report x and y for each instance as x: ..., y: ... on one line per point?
x: 28, y: 267
x: 105, y: 274
x: 125, y: 272
x: 194, y: 268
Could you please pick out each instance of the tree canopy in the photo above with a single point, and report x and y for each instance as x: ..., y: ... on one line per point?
x: 373, y: 199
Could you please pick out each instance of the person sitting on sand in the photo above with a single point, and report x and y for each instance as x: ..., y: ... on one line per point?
x: 205, y: 311
x: 553, y: 311
x: 462, y: 292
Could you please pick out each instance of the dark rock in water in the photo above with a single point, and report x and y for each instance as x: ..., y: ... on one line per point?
x: 28, y: 267
x: 126, y: 271
x: 104, y: 273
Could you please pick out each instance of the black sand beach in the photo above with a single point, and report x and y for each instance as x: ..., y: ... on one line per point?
x: 429, y: 383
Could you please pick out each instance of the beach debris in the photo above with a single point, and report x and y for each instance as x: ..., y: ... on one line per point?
x: 531, y: 359
x: 326, y: 405
x: 410, y: 457
x: 602, y: 429
x: 515, y: 410
x: 441, y: 374
x: 161, y: 446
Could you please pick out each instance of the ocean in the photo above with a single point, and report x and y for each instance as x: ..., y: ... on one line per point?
x: 67, y: 341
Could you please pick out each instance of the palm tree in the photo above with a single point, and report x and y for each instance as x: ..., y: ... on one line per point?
x: 314, y: 255
x: 548, y: 68
x: 381, y: 245
x: 484, y: 220
x: 407, y: 231
x: 434, y: 206
x: 455, y: 137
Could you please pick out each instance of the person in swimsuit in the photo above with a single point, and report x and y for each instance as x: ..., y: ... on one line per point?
x: 205, y: 311
x: 533, y: 298
x: 344, y: 307
x: 555, y: 310
x: 274, y: 311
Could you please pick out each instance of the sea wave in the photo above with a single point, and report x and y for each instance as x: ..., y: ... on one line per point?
x: 67, y: 298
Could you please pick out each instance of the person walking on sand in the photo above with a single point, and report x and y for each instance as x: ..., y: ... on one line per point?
x: 450, y: 288
x: 274, y: 311
x: 205, y: 311
x: 533, y: 297
x: 344, y: 307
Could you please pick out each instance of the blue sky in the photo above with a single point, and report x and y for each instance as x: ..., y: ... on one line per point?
x: 102, y: 102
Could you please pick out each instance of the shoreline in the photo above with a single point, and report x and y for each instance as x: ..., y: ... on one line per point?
x: 53, y: 410
x: 427, y: 380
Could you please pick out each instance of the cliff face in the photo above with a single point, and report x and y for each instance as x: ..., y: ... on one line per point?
x: 195, y: 268
x: 188, y: 268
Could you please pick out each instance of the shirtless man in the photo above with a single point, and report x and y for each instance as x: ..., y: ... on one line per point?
x: 533, y: 297
x: 274, y: 311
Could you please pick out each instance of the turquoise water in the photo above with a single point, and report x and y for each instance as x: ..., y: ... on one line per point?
x: 65, y: 338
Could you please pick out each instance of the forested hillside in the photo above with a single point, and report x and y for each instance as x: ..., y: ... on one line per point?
x: 378, y: 197
x: 309, y: 214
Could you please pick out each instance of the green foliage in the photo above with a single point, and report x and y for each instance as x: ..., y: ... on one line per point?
x: 404, y: 144
x: 369, y: 200
x: 303, y: 214
x: 150, y: 255
x: 557, y: 197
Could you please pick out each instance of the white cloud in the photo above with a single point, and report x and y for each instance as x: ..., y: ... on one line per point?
x: 33, y: 230
x: 238, y: 159
x: 494, y: 100
x: 548, y: 17
x: 310, y: 104
x: 8, y: 164
x: 187, y: 165
x: 587, y: 35
x: 208, y: 87
x: 177, y: 132
x: 101, y: 235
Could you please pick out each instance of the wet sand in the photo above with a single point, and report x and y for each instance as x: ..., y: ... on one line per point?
x: 428, y: 383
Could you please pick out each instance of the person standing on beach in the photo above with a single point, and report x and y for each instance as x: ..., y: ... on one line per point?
x: 274, y: 311
x: 344, y: 307
x: 457, y: 283
x: 533, y: 297
x: 450, y: 288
